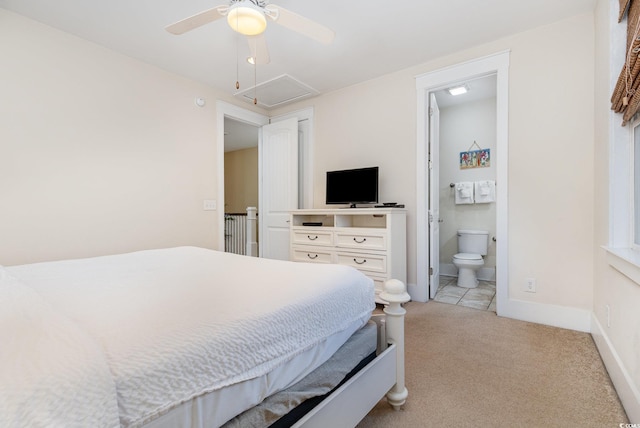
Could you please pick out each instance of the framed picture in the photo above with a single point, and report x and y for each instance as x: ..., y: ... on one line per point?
x: 475, y: 159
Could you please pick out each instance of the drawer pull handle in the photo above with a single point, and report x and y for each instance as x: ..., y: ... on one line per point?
x: 315, y: 256
x: 360, y: 263
x: 359, y: 242
x: 312, y: 239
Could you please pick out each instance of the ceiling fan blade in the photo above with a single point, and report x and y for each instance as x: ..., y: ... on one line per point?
x: 300, y: 24
x: 197, y: 20
x: 258, y: 49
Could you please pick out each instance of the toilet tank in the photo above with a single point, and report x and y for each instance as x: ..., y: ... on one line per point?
x: 473, y: 241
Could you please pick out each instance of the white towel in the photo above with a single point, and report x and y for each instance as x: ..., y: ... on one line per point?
x: 464, y: 192
x: 485, y: 191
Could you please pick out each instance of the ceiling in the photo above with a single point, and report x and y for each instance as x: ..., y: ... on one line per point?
x: 239, y: 135
x: 478, y: 89
x: 373, y: 37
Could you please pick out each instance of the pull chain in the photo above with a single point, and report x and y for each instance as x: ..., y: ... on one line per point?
x: 237, y: 57
x: 255, y: 80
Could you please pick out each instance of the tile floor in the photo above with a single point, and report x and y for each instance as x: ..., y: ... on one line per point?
x: 483, y: 297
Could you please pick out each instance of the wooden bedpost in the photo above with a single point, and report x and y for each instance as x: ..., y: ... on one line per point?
x: 395, y: 293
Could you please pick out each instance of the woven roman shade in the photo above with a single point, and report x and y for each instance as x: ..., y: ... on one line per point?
x: 626, y: 95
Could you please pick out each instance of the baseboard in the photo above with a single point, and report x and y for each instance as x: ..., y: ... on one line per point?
x: 541, y: 313
x: 483, y: 274
x: 622, y: 381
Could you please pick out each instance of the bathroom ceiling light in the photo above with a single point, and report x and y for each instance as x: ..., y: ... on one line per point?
x: 458, y: 90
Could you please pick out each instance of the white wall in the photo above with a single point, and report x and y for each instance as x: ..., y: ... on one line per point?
x: 99, y: 153
x: 460, y: 126
x: 107, y: 154
x: 550, y: 201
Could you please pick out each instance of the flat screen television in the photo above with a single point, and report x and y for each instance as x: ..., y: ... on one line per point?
x: 352, y: 186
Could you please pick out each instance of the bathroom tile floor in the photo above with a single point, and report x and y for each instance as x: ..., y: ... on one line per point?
x: 483, y: 297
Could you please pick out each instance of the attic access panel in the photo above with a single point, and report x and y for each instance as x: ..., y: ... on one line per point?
x: 277, y: 92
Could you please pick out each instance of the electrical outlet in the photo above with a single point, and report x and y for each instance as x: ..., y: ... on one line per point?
x: 209, y: 205
x: 530, y: 285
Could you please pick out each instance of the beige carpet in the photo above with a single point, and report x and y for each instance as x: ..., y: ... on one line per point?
x: 470, y: 368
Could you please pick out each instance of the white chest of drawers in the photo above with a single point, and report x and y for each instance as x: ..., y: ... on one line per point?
x: 372, y: 240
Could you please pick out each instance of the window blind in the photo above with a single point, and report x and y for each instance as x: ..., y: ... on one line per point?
x: 626, y: 95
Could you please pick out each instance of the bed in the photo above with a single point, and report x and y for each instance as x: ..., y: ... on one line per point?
x: 187, y: 337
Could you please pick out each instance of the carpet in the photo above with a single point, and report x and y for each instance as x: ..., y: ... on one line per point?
x: 471, y: 368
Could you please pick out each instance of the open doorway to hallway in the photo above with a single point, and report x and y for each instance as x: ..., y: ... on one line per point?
x: 240, y: 182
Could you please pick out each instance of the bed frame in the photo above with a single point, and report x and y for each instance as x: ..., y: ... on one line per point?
x: 351, y: 402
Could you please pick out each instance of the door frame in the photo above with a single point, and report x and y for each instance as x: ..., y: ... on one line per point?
x: 497, y: 64
x: 433, y: 201
x: 224, y: 109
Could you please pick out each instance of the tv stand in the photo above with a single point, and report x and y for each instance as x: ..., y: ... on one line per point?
x: 372, y: 240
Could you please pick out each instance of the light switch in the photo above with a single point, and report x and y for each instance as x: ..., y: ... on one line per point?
x: 209, y: 205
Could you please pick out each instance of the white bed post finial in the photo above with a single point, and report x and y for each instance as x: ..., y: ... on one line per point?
x: 395, y: 293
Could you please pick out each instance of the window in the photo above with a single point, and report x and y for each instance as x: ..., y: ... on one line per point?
x: 623, y: 251
x: 623, y: 248
x: 635, y: 185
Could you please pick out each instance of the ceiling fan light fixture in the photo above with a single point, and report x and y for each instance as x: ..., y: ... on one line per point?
x: 246, y: 19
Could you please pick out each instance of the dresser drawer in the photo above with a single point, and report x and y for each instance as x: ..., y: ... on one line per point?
x: 312, y: 237
x: 311, y: 256
x: 366, y: 241
x: 364, y: 262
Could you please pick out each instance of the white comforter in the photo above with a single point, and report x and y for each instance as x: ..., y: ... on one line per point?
x: 164, y: 326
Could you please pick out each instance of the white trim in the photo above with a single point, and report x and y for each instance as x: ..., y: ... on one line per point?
x: 497, y: 64
x: 626, y: 261
x: 622, y: 380
x: 553, y: 315
x: 229, y: 110
x: 619, y: 141
x: 634, y: 127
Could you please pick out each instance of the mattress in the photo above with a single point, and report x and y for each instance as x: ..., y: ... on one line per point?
x: 167, y: 326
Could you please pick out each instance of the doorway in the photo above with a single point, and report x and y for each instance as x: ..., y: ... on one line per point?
x: 226, y: 111
x: 467, y: 146
x: 240, y: 185
x: 427, y: 84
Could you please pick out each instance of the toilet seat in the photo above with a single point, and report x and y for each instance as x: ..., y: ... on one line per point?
x: 467, y: 256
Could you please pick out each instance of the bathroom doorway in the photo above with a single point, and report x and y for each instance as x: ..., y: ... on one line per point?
x: 467, y: 146
x: 498, y: 65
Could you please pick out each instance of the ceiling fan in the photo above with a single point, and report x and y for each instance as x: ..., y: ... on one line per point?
x: 249, y: 17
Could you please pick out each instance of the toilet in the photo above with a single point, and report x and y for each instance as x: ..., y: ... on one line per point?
x: 472, y: 245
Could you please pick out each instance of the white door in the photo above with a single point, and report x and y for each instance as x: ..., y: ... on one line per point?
x: 434, y: 196
x: 278, y: 153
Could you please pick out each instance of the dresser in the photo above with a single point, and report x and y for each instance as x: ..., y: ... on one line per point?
x: 372, y: 240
